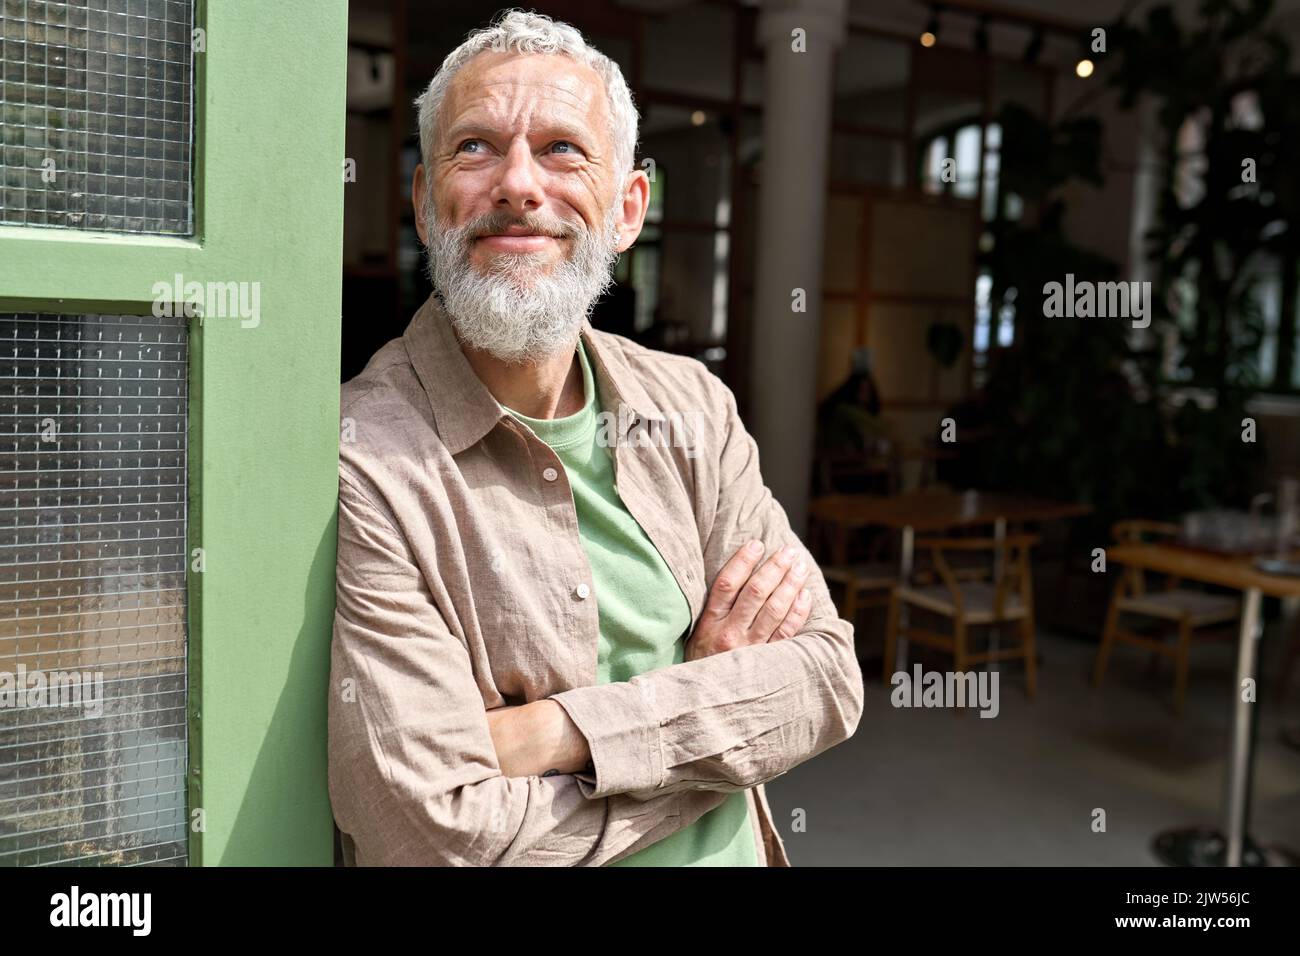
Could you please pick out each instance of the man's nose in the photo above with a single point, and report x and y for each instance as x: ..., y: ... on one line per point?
x: 519, y: 187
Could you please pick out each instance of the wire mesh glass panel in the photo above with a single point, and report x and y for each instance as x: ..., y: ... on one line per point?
x: 92, y: 589
x: 95, y: 115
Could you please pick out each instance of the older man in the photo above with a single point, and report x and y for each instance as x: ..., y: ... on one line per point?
x: 557, y: 643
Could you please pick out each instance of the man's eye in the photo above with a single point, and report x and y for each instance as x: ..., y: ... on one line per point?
x: 471, y: 146
x: 564, y: 146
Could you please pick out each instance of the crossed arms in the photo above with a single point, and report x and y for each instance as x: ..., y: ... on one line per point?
x: 751, y: 602
x: 637, y: 760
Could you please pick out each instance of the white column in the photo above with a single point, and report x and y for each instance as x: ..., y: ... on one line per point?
x: 798, y: 86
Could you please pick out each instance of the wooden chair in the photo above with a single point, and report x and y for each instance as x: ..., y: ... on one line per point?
x: 1003, y: 596
x: 857, y: 472
x: 1189, y: 610
x: 865, y: 585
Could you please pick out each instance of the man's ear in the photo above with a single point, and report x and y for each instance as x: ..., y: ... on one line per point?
x: 419, y: 196
x: 632, y: 209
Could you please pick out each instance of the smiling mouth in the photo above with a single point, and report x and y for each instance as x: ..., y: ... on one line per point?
x: 517, y: 241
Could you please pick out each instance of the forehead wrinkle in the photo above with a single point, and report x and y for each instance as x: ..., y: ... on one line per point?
x: 525, y: 96
x: 518, y: 115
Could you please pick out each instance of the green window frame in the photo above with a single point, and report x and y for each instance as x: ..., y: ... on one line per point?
x: 269, y: 103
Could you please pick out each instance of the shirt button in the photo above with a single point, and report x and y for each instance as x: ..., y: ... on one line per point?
x: 550, y: 474
x: 582, y: 591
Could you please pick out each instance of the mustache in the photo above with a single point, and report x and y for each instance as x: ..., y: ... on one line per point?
x: 496, y: 222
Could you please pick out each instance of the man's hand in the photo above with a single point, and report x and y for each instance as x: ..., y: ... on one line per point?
x: 537, y: 739
x: 753, y: 607
x: 745, y: 606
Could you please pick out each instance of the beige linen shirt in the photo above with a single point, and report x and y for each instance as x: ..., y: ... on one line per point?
x: 463, y: 586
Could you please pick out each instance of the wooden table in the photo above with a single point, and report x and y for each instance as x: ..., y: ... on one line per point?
x: 1240, y: 574
x: 931, y: 511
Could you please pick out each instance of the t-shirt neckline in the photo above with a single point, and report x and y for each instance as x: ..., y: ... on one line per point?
x: 571, y: 430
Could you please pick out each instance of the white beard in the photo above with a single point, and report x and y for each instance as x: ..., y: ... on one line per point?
x: 514, y: 311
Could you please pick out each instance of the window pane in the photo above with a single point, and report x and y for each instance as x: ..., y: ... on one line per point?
x: 901, y: 361
x: 92, y: 589
x: 689, y: 50
x: 936, y: 154
x: 95, y: 115
x: 842, y: 265
x: 907, y: 240
x: 939, y: 112
x: 1021, y: 84
x: 967, y: 154
x: 992, y: 169
x: 693, y: 287
x: 691, y: 152
x: 863, y: 160
x: 871, y: 82
x: 645, y: 280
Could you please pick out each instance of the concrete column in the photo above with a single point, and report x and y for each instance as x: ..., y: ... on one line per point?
x: 791, y: 219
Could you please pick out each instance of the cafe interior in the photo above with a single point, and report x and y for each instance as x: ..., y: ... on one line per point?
x: 1093, y: 513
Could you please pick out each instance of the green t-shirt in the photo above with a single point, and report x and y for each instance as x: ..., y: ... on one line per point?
x: 643, y: 615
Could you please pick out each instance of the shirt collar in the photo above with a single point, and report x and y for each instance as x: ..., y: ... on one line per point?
x: 463, y: 408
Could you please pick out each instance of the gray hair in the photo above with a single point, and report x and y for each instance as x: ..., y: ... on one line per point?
x: 517, y: 31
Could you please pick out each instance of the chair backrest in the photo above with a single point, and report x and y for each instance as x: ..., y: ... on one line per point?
x: 1138, y: 531
x: 1011, y: 567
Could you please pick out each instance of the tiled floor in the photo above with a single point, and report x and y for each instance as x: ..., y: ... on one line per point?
x: 941, y: 788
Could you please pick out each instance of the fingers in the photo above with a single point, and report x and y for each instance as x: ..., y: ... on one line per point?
x: 779, y: 603
x: 795, y: 619
x: 759, y: 588
x: 732, y: 577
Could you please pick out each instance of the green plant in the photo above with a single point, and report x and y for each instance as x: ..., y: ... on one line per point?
x: 1226, y: 83
x: 1074, y: 410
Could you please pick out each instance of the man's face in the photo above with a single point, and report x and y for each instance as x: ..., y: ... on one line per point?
x: 527, y: 209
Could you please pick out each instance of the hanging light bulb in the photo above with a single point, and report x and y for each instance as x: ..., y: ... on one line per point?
x: 931, y: 34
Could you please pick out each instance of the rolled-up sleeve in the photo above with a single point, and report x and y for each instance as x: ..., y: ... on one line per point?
x: 413, y: 774
x: 740, y: 718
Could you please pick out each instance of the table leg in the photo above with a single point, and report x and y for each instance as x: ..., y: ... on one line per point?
x: 999, y: 568
x: 1290, y: 635
x: 904, y: 575
x: 1240, y: 740
x: 1204, y: 847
